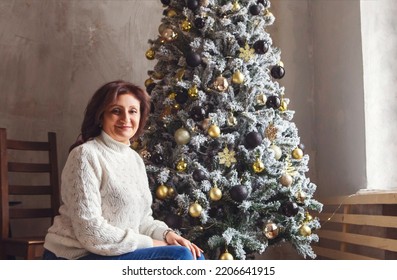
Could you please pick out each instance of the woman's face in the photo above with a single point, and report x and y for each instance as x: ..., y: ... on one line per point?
x: 121, y: 118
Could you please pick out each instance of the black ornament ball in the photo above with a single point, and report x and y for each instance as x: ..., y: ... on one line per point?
x: 157, y: 158
x: 238, y: 193
x: 261, y: 47
x: 253, y: 140
x: 277, y: 72
x: 197, y: 113
x: 165, y: 2
x: 198, y: 175
x: 182, y: 97
x: 255, y: 10
x: 290, y: 209
x: 273, y: 102
x: 193, y: 59
x: 199, y: 22
x: 173, y: 221
x: 192, y: 4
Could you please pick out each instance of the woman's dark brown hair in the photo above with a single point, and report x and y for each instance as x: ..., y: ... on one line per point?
x: 103, y: 97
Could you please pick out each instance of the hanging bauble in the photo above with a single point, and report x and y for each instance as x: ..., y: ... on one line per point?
x: 308, y: 217
x: 277, y: 151
x: 277, y: 72
x: 221, y: 84
x: 150, y: 54
x: 170, y: 13
x: 300, y: 197
x: 197, y: 113
x: 215, y: 194
x: 238, y: 77
x: 205, y: 124
x: 283, y: 105
x: 165, y: 2
x: 199, y: 175
x: 261, y: 47
x: 271, y: 230
x: 273, y: 102
x: 286, y: 180
x: 261, y: 99
x: 182, y: 136
x: 182, y: 97
x: 204, y: 3
x: 305, y: 230
x: 226, y: 256
x: 255, y: 10
x: 192, y: 4
x: 253, y: 140
x: 169, y: 35
x: 289, y: 209
x: 302, y: 147
x: 199, y: 22
x: 186, y: 25
x: 231, y: 119
x: 193, y: 92
x: 297, y: 153
x: 195, y: 210
x: 157, y: 158
x: 258, y: 166
x: 236, y: 6
x: 173, y: 221
x: 162, y: 192
x: 148, y: 82
x: 193, y: 59
x: 181, y: 165
x: 238, y: 193
x: 214, y: 131
x: 171, y: 192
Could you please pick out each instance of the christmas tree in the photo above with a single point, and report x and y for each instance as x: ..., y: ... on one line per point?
x: 224, y: 159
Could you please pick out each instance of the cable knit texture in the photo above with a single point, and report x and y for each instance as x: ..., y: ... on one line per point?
x: 106, y: 206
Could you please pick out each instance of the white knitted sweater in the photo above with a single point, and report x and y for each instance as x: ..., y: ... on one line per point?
x: 106, y: 206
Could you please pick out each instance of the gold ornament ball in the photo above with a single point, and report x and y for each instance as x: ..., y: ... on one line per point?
x: 169, y: 35
x: 171, y: 192
x: 308, y: 217
x: 182, y: 136
x: 221, y: 84
x: 148, y: 82
x: 226, y: 256
x: 150, y: 53
x: 195, y: 210
x: 186, y: 25
x: 215, y: 194
x: 171, y: 13
x: 162, y: 192
x: 277, y: 151
x: 297, y: 153
x: 271, y: 231
x: 286, y: 180
x: 305, y: 230
x: 181, y: 165
x: 162, y: 27
x: 258, y: 166
x: 193, y: 92
x: 214, y: 131
x: 238, y: 77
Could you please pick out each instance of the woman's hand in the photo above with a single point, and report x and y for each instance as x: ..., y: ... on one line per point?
x: 174, y: 239
x: 157, y: 243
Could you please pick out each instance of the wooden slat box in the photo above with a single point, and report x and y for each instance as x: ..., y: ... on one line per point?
x: 362, y: 226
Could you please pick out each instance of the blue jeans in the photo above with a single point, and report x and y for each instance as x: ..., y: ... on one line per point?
x: 153, y: 253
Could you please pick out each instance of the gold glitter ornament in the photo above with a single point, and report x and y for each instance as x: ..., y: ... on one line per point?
x: 221, y: 84
x: 297, y: 153
x: 226, y: 256
x: 162, y: 192
x: 286, y: 180
x: 271, y: 132
x: 169, y: 35
x: 227, y: 157
x: 214, y: 131
x: 182, y: 136
x: 238, y: 77
x: 186, y: 25
x: 171, y: 13
x: 305, y: 230
x: 171, y: 192
x: 271, y: 230
x: 181, y: 165
x: 150, y: 54
x: 193, y: 92
x: 258, y: 166
x: 195, y: 210
x: 215, y: 194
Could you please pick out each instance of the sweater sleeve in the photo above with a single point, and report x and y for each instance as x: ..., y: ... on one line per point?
x: 81, y: 194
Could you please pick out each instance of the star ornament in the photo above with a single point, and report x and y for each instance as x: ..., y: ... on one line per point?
x: 227, y: 157
x: 247, y: 53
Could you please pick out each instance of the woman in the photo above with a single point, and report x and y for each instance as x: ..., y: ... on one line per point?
x: 106, y: 211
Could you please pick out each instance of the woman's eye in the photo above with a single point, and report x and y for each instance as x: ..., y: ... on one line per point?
x: 134, y: 111
x: 116, y: 111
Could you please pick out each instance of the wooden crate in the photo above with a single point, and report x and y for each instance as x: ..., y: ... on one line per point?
x: 362, y: 226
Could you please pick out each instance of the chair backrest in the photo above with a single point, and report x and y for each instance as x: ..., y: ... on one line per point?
x: 15, y: 167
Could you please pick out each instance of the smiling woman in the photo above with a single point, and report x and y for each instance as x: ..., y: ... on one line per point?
x: 106, y: 211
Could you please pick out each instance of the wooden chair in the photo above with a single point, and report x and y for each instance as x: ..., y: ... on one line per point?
x: 26, y: 247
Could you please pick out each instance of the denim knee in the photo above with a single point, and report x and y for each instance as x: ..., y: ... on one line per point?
x: 183, y: 253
